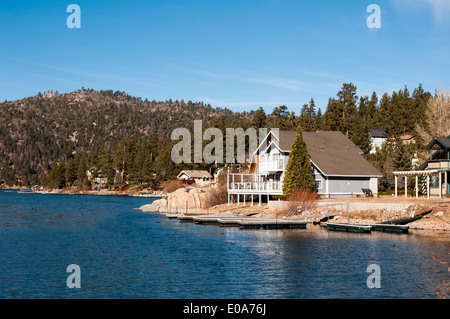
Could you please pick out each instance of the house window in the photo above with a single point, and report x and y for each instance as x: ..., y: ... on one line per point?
x: 318, y: 184
x: 434, y: 181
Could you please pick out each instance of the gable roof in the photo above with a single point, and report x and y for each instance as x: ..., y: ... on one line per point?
x: 332, y: 152
x: 195, y: 174
x: 443, y: 141
x: 377, y: 133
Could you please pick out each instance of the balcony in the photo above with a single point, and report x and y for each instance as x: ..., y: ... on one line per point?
x: 439, y: 164
x: 271, y: 167
x: 253, y: 184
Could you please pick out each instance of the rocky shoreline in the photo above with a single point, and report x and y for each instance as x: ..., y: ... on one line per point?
x: 189, y: 201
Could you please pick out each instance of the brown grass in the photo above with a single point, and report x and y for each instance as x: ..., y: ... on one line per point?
x: 301, y: 200
x: 172, y: 186
x: 217, y: 195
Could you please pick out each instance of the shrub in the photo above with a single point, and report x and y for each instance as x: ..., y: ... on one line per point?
x: 172, y: 186
x: 217, y: 195
x: 301, y: 200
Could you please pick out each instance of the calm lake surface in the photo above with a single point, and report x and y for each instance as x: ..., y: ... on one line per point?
x: 124, y: 253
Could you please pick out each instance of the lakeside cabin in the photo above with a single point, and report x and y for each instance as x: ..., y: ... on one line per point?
x: 198, y: 177
x: 434, y: 174
x: 338, y: 167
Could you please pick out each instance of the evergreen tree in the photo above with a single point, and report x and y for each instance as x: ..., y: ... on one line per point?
x: 347, y: 99
x: 308, y: 116
x: 123, y: 159
x: 71, y: 171
x: 318, y: 121
x: 281, y: 118
x: 360, y: 132
x: 332, y: 117
x: 259, y: 119
x: 82, y: 168
x: 298, y: 174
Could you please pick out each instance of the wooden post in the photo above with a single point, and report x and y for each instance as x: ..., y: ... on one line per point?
x: 406, y: 186
x: 396, y: 183
x: 428, y: 186
x: 446, y: 183
x: 417, y: 186
x: 440, y: 184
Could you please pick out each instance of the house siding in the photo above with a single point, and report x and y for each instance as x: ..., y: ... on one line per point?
x: 347, y: 185
x: 322, y: 179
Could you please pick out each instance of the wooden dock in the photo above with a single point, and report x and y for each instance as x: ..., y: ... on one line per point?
x: 241, y: 221
x: 367, y: 228
x: 349, y: 228
x: 390, y: 228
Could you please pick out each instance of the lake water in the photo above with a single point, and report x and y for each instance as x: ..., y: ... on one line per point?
x: 124, y: 253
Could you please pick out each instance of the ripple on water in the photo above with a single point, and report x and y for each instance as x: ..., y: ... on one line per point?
x: 124, y: 253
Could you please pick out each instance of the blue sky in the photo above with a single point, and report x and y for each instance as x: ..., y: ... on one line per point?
x: 236, y: 54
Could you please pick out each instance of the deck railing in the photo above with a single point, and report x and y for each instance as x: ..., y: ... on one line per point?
x: 252, y: 184
x: 272, y: 166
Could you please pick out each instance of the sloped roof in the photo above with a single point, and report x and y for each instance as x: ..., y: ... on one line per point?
x: 443, y: 141
x: 332, y: 152
x: 195, y: 174
x: 377, y: 133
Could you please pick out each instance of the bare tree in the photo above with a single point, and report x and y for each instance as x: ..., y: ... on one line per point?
x: 437, y: 122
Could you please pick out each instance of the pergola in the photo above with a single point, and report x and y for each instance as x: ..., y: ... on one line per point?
x: 416, y: 174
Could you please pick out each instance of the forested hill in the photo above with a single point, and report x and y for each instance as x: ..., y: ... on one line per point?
x: 38, y: 131
x: 53, y: 139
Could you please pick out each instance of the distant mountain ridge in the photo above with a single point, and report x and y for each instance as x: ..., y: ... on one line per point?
x: 37, y: 131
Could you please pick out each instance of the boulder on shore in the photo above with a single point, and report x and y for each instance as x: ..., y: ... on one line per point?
x: 180, y: 201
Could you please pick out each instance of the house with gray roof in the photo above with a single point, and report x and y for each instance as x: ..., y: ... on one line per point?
x: 377, y: 139
x: 338, y: 167
x: 433, y: 176
x: 199, y: 177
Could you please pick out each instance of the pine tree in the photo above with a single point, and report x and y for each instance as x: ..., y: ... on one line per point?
x: 298, y: 174
x: 259, y: 119
x: 81, y: 170
x: 71, y: 171
x: 308, y: 116
x: 360, y: 131
x: 281, y: 118
x: 318, y: 121
x: 332, y: 118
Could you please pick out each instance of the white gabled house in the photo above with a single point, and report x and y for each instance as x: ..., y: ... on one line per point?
x: 200, y: 178
x: 377, y: 139
x: 338, y: 167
